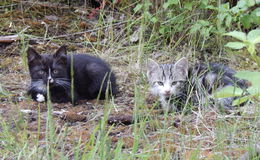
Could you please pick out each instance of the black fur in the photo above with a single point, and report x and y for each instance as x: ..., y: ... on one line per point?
x: 90, y: 74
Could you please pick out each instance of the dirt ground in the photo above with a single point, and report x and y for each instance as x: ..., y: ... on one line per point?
x: 33, y: 22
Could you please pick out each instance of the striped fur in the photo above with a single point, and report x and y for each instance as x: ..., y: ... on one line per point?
x: 177, y: 82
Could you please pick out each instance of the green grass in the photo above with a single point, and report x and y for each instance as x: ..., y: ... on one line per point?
x: 228, y: 132
x: 164, y: 33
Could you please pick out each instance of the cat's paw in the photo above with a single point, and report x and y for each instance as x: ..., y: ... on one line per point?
x: 40, y: 98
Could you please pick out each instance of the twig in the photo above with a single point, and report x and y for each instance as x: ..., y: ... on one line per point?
x: 76, y: 33
x: 29, y: 111
x: 12, y: 38
x: 9, y: 39
x: 5, y: 6
x: 43, y: 4
x: 72, y: 34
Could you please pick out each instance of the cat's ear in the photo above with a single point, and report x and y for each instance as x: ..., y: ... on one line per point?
x: 61, y: 55
x: 61, y: 51
x: 152, y: 67
x: 32, y: 55
x: 182, y: 65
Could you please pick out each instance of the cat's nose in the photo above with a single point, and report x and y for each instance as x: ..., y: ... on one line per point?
x: 50, y: 80
x: 167, y: 92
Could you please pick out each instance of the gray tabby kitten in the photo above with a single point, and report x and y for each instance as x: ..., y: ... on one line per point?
x: 178, y: 83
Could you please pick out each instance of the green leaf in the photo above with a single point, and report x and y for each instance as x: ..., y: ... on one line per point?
x: 251, y: 49
x: 240, y: 100
x: 222, y: 16
x: 154, y: 20
x: 166, y: 5
x: 203, y: 23
x: 211, y: 7
x: 254, y: 90
x: 228, y: 20
x: 255, y: 16
x: 229, y: 91
x: 205, y: 31
x: 242, y: 5
x: 188, y: 5
x: 254, y: 36
x: 235, y: 10
x: 147, y: 15
x: 162, y: 30
x: 253, y: 77
x: 205, y: 2
x: 173, y: 1
x: 250, y: 3
x: 236, y: 34
x: 246, y: 21
x: 223, y: 8
x: 170, y: 2
x: 138, y: 7
x: 147, y: 4
x: 198, y: 26
x: 235, y: 45
x: 195, y: 28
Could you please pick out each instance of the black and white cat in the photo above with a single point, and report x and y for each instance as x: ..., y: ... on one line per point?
x: 91, y: 78
x: 177, y: 82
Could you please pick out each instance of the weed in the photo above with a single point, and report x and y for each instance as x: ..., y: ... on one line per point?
x: 135, y: 30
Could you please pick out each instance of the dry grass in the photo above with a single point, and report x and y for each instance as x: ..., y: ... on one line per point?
x: 85, y: 131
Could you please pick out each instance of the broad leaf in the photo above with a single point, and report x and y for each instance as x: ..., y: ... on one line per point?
x: 246, y: 21
x: 255, y: 15
x: 205, y: 2
x: 235, y: 45
x: 241, y: 4
x: 251, y: 49
x: 254, y: 90
x: 222, y: 16
x: 250, y: 3
x: 228, y: 20
x: 229, y: 91
x: 188, y: 5
x: 254, y: 36
x: 238, y: 35
x: 240, y: 100
x: 253, y: 77
x: 258, y: 13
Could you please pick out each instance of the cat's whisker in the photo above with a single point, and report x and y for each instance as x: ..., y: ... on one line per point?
x: 63, y: 79
x: 40, y: 80
x: 63, y: 84
x: 36, y: 83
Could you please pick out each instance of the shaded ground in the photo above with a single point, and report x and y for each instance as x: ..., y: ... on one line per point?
x: 46, y: 28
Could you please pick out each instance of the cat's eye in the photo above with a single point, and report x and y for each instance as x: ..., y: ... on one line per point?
x: 174, y: 83
x: 160, y: 83
x: 41, y: 72
x: 55, y: 71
